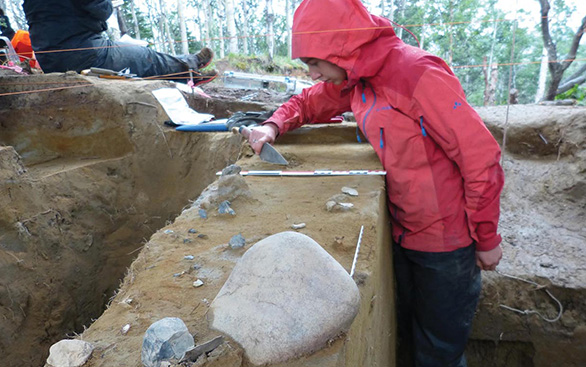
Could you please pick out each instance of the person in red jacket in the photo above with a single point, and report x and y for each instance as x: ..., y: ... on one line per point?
x: 443, y: 174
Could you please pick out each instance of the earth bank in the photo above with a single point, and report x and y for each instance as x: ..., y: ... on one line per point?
x: 90, y: 173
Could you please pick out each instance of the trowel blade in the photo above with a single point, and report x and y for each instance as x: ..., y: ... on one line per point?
x: 270, y: 154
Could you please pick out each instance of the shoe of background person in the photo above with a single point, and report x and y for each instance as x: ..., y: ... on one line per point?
x: 204, y: 77
x: 204, y: 57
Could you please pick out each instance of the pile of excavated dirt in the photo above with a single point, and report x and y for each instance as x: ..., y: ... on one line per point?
x: 95, y: 186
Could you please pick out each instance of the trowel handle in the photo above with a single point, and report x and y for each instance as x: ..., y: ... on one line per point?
x: 243, y: 130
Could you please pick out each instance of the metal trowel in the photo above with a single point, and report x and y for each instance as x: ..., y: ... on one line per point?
x: 267, y: 153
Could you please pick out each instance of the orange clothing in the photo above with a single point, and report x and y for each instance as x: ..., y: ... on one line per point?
x: 22, y: 45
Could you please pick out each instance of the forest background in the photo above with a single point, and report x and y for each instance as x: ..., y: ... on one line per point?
x: 518, y: 51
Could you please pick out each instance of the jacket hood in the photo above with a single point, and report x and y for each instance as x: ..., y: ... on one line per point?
x: 344, y: 33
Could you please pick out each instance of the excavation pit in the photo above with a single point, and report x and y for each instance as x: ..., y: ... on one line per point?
x: 97, y: 189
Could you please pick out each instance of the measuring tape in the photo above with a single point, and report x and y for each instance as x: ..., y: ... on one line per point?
x: 311, y: 173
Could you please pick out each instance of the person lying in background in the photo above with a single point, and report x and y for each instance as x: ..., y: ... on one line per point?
x: 67, y: 35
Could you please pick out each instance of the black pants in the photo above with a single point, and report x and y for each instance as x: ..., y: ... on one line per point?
x: 437, y: 295
x: 97, y: 51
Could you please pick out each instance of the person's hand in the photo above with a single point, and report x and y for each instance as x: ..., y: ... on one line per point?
x: 117, y: 3
x: 488, y: 260
x: 266, y: 133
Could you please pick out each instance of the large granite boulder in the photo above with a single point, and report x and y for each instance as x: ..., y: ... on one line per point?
x: 285, y: 298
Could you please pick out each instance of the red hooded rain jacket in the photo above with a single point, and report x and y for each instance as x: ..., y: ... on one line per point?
x: 443, y: 174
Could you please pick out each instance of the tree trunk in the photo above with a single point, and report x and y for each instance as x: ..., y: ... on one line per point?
x: 490, y: 82
x: 165, y: 28
x: 135, y: 20
x: 182, y: 28
x: 542, y: 77
x: 155, y: 27
x: 400, y: 8
x: 18, y: 18
x: 451, y: 27
x: 556, y: 67
x: 202, y: 30
x: 220, y: 33
x: 579, y: 77
x: 121, y: 22
x: 270, y: 29
x: 289, y: 20
x: 245, y: 27
x: 231, y: 25
x: 208, y: 22
x: 493, y: 42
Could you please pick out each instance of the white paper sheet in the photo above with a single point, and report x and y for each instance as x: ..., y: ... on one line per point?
x: 176, y: 107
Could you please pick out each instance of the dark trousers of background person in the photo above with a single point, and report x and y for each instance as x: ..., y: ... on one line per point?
x: 437, y: 295
x: 99, y: 52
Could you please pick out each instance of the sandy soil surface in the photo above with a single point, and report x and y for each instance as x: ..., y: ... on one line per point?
x: 91, y: 172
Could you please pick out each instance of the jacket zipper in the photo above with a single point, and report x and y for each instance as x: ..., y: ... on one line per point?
x: 370, y: 109
x: 402, y: 237
x: 421, y: 125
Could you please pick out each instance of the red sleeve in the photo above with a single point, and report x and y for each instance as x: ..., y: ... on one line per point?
x: 456, y: 127
x: 314, y: 104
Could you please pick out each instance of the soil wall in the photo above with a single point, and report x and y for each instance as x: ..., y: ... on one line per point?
x: 87, y: 175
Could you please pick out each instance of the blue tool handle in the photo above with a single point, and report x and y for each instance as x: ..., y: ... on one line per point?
x: 210, y: 126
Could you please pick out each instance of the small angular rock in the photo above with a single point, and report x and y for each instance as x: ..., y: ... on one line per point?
x: 69, y: 353
x: 333, y: 206
x: 349, y: 191
x: 225, y: 208
x: 125, y: 329
x: 164, y: 340
x: 232, y: 169
x: 237, y: 241
x: 206, y: 347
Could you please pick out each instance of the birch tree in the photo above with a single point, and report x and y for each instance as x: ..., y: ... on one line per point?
x: 155, y: 27
x: 18, y: 19
x: 542, y: 77
x: 270, y: 18
x: 490, y: 68
x: 221, y: 38
x: 164, y: 18
x: 400, y: 11
x: 135, y: 20
x: 289, y: 9
x: 207, y: 21
x: 490, y: 71
x: 231, y: 26
x: 182, y: 27
x: 245, y: 27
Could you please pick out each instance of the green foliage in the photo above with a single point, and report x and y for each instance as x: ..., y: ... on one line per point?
x: 466, y: 33
x: 144, y: 26
x: 281, y: 65
x: 576, y: 92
